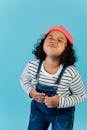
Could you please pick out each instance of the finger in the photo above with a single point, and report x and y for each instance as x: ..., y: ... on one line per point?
x: 48, y: 98
x: 42, y: 94
x: 48, y: 105
x: 40, y: 100
x: 47, y: 101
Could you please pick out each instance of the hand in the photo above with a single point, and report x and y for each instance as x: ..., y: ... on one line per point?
x: 52, y: 101
x: 39, y: 97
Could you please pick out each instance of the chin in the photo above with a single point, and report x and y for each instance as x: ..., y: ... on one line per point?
x: 53, y: 56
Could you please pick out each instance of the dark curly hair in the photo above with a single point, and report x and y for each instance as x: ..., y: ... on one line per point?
x: 67, y: 58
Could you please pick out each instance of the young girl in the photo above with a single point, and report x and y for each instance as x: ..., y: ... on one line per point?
x: 52, y: 82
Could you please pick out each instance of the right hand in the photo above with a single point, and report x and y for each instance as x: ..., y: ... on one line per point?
x: 39, y: 97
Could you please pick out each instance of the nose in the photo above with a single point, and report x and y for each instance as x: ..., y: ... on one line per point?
x: 54, y: 40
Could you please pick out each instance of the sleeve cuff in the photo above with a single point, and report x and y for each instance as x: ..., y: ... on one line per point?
x: 29, y: 90
x: 61, y: 102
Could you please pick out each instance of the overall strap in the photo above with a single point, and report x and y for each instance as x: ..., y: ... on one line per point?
x: 60, y: 75
x: 38, y: 70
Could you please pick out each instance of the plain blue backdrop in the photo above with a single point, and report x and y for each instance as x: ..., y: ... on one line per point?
x: 22, y: 22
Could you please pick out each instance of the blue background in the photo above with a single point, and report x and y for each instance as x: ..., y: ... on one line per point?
x: 22, y: 22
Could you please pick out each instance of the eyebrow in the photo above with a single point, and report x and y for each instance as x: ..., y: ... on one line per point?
x: 61, y: 38
x: 58, y: 37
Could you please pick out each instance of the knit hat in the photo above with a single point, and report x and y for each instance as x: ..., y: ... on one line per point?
x: 62, y: 29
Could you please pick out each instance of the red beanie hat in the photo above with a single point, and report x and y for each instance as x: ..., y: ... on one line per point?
x: 63, y: 30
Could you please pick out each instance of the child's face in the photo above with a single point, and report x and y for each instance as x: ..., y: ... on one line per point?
x: 55, y: 44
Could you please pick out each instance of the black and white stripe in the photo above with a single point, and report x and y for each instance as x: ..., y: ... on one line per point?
x: 71, y: 88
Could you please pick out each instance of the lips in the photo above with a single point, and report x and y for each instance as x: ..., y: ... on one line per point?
x: 52, y: 45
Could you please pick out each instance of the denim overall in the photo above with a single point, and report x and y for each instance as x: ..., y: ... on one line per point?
x: 41, y: 116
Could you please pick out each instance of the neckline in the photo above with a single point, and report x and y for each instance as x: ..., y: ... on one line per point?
x: 51, y: 75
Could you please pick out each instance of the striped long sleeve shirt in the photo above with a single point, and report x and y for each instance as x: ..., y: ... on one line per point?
x: 70, y: 89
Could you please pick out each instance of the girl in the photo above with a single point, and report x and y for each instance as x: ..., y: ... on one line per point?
x: 52, y: 82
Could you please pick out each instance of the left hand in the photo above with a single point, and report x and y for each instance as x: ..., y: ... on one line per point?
x: 51, y: 102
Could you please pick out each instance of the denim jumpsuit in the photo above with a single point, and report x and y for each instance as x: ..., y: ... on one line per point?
x: 41, y: 116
